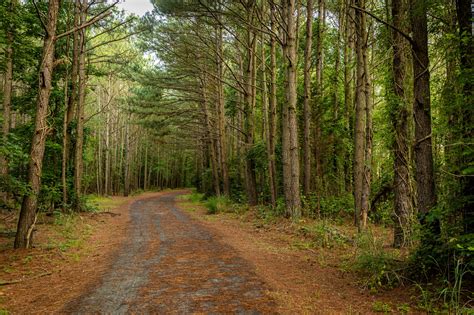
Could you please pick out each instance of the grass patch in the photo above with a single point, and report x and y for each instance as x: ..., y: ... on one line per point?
x: 404, y: 308
x: 101, y: 203
x: 195, y: 197
x: 324, y: 234
x: 381, y: 307
x: 216, y: 205
x: 191, y: 202
x: 374, y: 263
x: 70, y: 232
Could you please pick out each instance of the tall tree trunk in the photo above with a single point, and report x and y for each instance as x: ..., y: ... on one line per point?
x: 210, y: 141
x: 100, y: 154
x: 266, y: 115
x: 348, y: 89
x: 318, y: 150
x: 367, y: 177
x: 7, y: 94
x: 424, y: 174
x: 27, y: 218
x: 401, y: 185
x: 336, y: 151
x: 272, y: 114
x: 290, y: 148
x: 250, y: 74
x: 126, y: 176
x: 360, y: 114
x: 307, y: 99
x: 69, y: 113
x: 99, y: 162
x: 78, y: 160
x: 107, y: 154
x: 221, y: 114
x: 145, y: 171
x: 465, y: 13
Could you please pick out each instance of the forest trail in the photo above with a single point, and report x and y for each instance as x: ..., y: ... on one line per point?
x: 172, y: 263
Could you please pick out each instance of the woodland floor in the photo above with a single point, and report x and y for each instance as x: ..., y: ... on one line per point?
x: 158, y: 253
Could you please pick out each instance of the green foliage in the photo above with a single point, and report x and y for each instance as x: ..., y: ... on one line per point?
x: 67, y: 227
x: 451, y: 291
x: 257, y: 153
x: 215, y: 204
x: 195, y: 197
x: 381, y: 307
x: 324, y: 234
x: 375, y: 263
x: 381, y: 210
x: 137, y: 192
x: 454, y: 292
x: 403, y: 308
x: 331, y: 206
x: 269, y: 214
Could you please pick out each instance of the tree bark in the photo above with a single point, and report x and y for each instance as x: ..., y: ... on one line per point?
x: 78, y: 157
x: 69, y: 113
x: 126, y: 176
x: 348, y: 89
x: 266, y: 115
x: 424, y: 174
x: 318, y: 150
x: 27, y: 218
x: 360, y: 136
x: 367, y: 177
x: 210, y: 138
x: 272, y: 113
x: 464, y: 16
x: 221, y: 113
x: 7, y: 94
x: 402, y: 200
x: 249, y: 107
x: 145, y: 171
x: 290, y: 148
x: 107, y: 177
x: 307, y: 99
x: 336, y: 152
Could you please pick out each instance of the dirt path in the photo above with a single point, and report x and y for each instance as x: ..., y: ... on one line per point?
x: 173, y: 264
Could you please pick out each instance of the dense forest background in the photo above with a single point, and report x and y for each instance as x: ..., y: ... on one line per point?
x: 357, y: 110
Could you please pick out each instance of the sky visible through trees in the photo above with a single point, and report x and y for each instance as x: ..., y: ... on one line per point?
x: 138, y: 7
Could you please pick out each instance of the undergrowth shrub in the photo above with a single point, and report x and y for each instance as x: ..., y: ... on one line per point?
x: 195, y: 197
x: 328, y: 206
x: 377, y: 266
x: 217, y: 204
x: 452, y: 293
x: 137, y: 192
x: 324, y: 234
x: 269, y: 214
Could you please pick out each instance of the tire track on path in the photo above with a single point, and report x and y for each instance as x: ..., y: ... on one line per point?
x: 172, y: 264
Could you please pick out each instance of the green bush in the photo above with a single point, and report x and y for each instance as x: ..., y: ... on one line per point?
x: 269, y: 214
x: 329, y: 206
x: 324, y: 234
x: 376, y: 265
x: 217, y: 204
x: 195, y: 197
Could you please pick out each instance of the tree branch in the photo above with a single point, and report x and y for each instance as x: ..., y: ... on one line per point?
x: 407, y: 37
x: 95, y: 19
x: 40, y: 18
